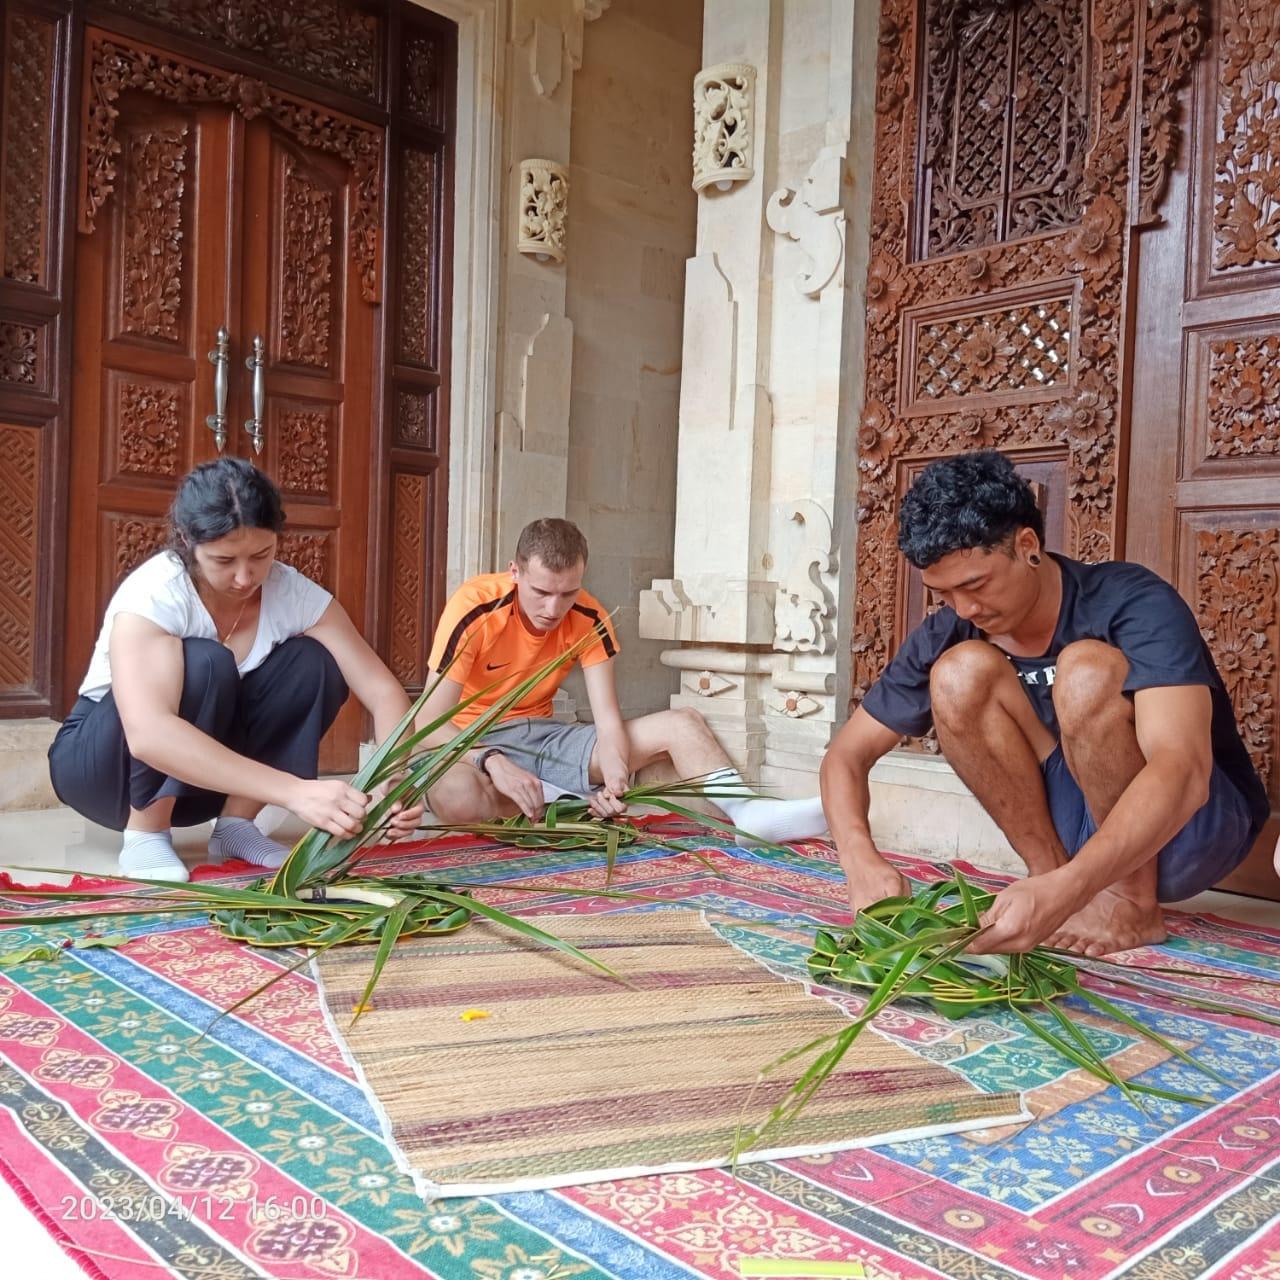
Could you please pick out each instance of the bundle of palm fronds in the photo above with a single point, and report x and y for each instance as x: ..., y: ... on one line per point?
x: 916, y: 947
x: 567, y: 824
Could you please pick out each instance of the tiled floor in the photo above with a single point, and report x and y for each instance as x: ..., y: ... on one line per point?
x: 61, y: 843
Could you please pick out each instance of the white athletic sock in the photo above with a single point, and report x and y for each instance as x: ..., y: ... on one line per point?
x: 239, y: 838
x: 763, y: 820
x: 150, y: 854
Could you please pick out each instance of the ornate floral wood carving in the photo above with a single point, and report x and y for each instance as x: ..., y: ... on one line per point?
x: 544, y: 208
x: 408, y: 576
x: 1244, y: 397
x: 331, y: 41
x: 1005, y: 122
x: 151, y: 292
x: 19, y: 553
x: 115, y: 67
x: 1073, y: 192
x: 148, y: 429
x: 415, y: 423
x: 25, y: 138
x: 417, y: 243
x: 304, y: 452
x: 309, y: 553
x: 307, y: 294
x: 1236, y: 584
x: 1246, y: 207
x: 135, y: 539
x: 422, y: 87
x: 1173, y: 38
x: 19, y: 352
x: 723, y: 120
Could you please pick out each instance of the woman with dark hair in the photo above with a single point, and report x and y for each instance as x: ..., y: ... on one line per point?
x: 214, y: 677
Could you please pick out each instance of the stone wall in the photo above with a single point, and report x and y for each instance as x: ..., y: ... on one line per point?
x: 632, y: 224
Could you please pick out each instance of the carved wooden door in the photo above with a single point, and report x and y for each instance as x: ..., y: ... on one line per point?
x: 1204, y: 505
x: 212, y: 202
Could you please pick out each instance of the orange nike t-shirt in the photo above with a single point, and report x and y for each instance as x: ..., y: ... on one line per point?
x: 482, y: 633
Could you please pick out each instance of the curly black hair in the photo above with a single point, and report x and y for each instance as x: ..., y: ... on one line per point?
x: 970, y: 500
x: 216, y: 499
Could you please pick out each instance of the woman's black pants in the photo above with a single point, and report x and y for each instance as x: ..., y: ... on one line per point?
x: 276, y: 714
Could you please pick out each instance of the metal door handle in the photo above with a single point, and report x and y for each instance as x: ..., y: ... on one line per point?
x: 220, y: 358
x: 256, y: 364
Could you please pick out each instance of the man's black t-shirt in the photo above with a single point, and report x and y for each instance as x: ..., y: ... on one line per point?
x: 1123, y: 605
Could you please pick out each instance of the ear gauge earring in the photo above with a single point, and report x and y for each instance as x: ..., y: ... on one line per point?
x: 1033, y: 560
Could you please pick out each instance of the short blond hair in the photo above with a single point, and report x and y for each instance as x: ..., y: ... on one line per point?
x: 559, y: 544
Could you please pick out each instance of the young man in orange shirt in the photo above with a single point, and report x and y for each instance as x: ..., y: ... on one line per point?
x: 503, y: 627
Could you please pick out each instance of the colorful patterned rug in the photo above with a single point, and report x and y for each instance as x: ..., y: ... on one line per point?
x: 254, y: 1152
x: 497, y: 1063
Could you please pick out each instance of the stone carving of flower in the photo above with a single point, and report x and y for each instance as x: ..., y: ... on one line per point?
x: 984, y: 355
x: 884, y: 287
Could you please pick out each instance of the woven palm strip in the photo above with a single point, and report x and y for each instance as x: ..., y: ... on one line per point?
x: 573, y: 1077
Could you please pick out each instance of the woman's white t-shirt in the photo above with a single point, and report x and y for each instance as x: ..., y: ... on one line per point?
x: 161, y: 590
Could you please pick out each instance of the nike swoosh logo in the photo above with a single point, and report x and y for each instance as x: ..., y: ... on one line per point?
x: 496, y: 666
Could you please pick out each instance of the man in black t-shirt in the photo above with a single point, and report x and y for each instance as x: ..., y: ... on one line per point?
x: 1078, y: 702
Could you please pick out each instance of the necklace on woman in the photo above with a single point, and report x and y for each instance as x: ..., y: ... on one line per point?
x: 234, y: 625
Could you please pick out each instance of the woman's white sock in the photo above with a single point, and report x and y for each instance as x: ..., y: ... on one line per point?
x: 765, y: 821
x: 240, y: 838
x: 150, y: 854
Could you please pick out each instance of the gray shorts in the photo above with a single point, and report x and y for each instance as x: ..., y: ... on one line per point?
x: 560, y: 754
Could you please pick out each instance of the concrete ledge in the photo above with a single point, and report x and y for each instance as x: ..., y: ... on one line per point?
x: 24, y: 764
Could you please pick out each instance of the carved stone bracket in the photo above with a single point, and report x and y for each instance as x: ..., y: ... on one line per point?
x: 706, y: 684
x: 794, y: 704
x: 812, y: 217
x: 544, y: 207
x: 1174, y: 37
x: 804, y: 607
x: 723, y: 118
x: 115, y: 67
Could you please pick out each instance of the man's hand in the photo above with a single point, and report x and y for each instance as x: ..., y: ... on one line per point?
x: 328, y: 804
x: 516, y: 784
x: 606, y: 804
x: 1028, y: 911
x: 871, y: 878
x: 404, y: 821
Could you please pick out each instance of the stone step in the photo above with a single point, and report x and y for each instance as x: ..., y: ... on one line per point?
x: 24, y: 764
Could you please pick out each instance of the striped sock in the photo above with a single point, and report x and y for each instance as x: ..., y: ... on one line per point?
x: 150, y: 854
x: 239, y: 838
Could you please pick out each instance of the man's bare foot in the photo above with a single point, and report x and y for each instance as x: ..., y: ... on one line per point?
x: 1111, y: 922
x: 870, y: 884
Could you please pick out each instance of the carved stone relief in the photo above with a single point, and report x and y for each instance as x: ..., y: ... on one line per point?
x: 1246, y: 206
x: 19, y: 550
x: 148, y: 429
x: 306, y: 301
x: 19, y: 353
x: 1014, y: 182
x: 812, y: 216
x: 1244, y: 397
x: 417, y: 242
x: 707, y: 684
x: 152, y: 258
x: 723, y: 119
x: 304, y: 454
x: 309, y: 553
x: 794, y: 704
x: 544, y: 208
x: 409, y: 516
x: 1237, y: 579
x: 804, y: 606
x: 332, y: 41
x: 25, y: 139
x: 115, y: 67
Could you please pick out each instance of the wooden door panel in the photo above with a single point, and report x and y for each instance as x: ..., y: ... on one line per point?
x: 1206, y: 410
x: 147, y: 306
x: 318, y: 334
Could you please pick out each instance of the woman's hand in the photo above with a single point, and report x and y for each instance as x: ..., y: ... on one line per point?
x: 329, y: 804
